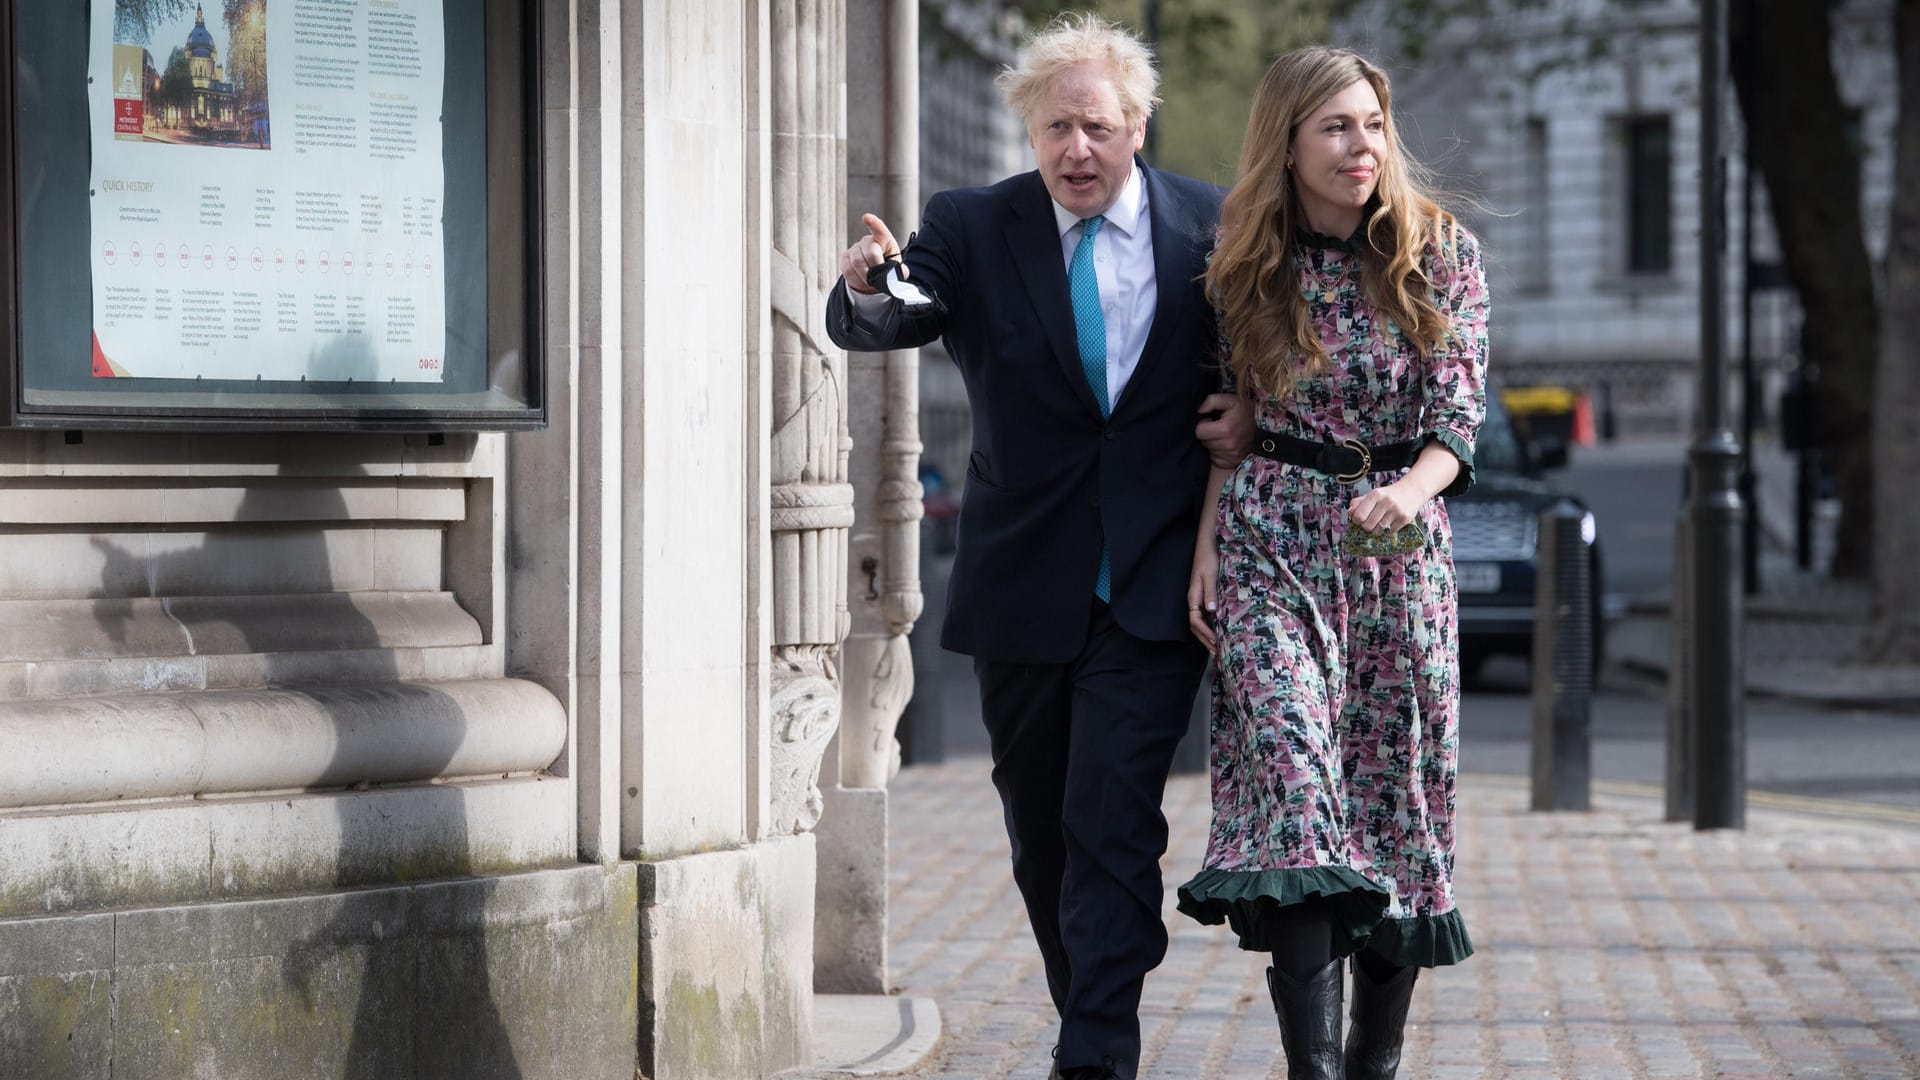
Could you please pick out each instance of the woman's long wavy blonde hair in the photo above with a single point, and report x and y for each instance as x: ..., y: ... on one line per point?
x: 1254, y: 275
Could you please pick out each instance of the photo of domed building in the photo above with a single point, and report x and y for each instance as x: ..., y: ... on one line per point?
x: 212, y: 94
x: 207, y: 94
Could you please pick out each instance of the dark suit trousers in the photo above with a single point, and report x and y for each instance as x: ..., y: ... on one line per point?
x: 1081, y: 753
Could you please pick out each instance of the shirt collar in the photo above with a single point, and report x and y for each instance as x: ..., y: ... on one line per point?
x: 1124, y: 214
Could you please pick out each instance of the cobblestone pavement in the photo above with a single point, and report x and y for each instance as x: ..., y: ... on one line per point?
x: 1610, y: 945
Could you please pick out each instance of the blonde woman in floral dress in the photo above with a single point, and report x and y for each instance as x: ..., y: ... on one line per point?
x: 1354, y: 312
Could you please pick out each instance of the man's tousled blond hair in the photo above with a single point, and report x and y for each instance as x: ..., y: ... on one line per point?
x: 1083, y: 38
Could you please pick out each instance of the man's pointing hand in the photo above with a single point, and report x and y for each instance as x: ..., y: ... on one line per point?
x: 877, y: 247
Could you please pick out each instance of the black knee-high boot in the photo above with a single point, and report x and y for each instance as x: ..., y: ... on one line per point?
x: 1381, y: 995
x: 1309, y: 1011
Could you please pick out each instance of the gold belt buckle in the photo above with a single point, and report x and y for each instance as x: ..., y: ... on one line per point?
x: 1366, y: 461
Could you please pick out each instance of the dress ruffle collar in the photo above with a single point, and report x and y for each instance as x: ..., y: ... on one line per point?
x: 1306, y: 237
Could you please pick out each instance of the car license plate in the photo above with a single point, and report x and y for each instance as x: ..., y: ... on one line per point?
x: 1477, y: 577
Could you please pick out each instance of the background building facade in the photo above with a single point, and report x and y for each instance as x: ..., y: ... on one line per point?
x: 1576, y: 124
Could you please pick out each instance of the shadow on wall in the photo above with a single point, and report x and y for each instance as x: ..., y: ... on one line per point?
x: 422, y: 1002
x: 345, y: 358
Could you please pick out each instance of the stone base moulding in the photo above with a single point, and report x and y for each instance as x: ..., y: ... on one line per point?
x: 90, y: 750
x: 188, y: 850
x: 873, y: 1034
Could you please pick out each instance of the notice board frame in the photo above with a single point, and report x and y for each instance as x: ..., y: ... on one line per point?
x: 513, y: 225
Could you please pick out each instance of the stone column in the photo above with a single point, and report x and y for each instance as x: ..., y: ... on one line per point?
x: 811, y: 500
x: 850, y: 914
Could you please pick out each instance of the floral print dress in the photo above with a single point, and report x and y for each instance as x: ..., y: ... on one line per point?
x: 1336, y: 698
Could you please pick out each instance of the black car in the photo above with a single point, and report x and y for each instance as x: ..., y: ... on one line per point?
x: 1496, y: 528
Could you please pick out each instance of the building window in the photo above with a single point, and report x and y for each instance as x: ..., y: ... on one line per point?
x: 1533, y: 248
x: 1649, y: 194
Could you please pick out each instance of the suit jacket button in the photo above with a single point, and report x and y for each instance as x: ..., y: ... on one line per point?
x: 1096, y: 502
x: 1108, y: 433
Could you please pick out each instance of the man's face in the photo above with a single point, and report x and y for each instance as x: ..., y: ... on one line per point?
x: 1083, y: 142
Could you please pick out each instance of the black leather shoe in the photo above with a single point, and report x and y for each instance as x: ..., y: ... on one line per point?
x: 1309, y: 1011
x: 1379, y: 1023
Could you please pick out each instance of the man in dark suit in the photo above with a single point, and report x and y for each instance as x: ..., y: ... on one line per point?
x: 1069, y: 298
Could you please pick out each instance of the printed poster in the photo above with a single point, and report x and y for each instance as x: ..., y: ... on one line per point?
x: 267, y: 190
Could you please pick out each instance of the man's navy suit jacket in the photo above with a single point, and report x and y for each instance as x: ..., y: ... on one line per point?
x: 1049, y: 478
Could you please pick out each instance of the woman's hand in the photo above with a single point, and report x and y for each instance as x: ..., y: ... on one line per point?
x: 1202, y: 586
x: 1387, y: 509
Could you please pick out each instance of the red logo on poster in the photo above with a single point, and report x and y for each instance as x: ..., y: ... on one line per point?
x: 127, y: 115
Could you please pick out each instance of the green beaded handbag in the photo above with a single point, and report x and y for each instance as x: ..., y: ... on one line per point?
x: 1378, y: 545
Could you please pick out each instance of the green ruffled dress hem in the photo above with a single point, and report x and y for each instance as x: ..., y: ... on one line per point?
x: 1251, y: 901
x: 1423, y: 940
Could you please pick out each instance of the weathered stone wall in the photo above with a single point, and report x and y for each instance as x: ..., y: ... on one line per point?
x: 642, y: 523
x: 525, y: 975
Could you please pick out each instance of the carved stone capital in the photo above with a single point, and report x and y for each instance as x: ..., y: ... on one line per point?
x: 805, y: 703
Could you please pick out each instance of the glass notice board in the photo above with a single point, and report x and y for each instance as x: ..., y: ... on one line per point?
x: 270, y: 213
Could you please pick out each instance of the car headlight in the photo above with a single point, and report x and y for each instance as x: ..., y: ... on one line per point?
x: 1588, y: 530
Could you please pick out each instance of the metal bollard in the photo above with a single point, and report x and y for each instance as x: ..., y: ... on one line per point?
x: 1562, y: 663
x: 1716, y: 676
x: 1679, y: 786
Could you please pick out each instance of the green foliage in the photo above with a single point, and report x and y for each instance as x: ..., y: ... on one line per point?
x: 176, y: 82
x: 247, y: 49
x: 134, y: 20
x: 1212, y: 54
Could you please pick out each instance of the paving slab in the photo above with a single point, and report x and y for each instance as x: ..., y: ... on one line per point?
x: 1611, y: 945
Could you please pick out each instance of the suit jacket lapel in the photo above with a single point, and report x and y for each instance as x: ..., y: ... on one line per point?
x: 1173, y: 266
x: 1034, y: 240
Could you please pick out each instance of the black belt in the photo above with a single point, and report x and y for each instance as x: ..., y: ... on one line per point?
x: 1346, y: 461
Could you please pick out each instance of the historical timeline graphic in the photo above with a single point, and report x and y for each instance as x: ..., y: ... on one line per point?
x: 231, y: 242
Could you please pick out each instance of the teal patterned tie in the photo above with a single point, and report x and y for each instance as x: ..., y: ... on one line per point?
x: 1090, y: 327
